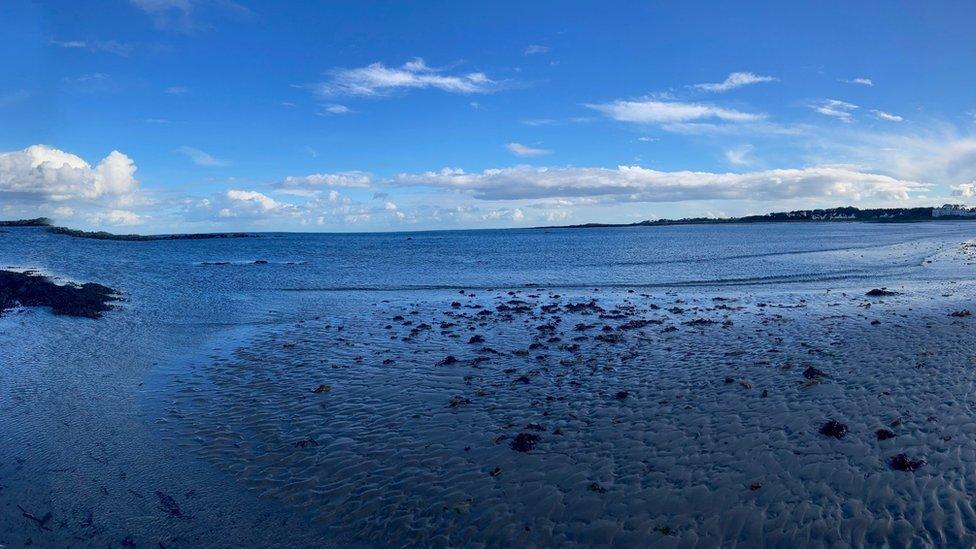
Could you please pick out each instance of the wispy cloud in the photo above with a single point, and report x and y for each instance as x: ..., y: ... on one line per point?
x: 107, y: 46
x: 378, y: 80
x: 637, y: 184
x: 841, y: 110
x: 519, y: 149
x: 652, y: 111
x: 857, y: 81
x: 739, y: 155
x: 534, y: 49
x: 176, y: 90
x: 886, y: 116
x: 201, y: 158
x: 334, y: 108
x: 735, y: 80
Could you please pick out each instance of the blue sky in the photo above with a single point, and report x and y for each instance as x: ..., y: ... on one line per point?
x: 189, y: 115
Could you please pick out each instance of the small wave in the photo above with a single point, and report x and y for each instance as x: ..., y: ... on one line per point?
x: 743, y: 281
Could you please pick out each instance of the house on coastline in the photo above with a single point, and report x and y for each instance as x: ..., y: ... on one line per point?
x: 954, y: 210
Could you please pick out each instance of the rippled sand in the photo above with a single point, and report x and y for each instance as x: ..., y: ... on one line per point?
x: 512, y: 416
x: 665, y: 418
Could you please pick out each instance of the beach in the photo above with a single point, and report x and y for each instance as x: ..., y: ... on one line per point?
x: 671, y: 386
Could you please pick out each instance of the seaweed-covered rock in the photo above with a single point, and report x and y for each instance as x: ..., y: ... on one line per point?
x: 902, y: 462
x: 834, y: 429
x: 525, y: 442
x: 881, y: 292
x: 813, y: 373
x: 884, y: 434
x: 29, y: 289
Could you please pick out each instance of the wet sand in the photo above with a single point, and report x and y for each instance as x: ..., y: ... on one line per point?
x: 537, y: 417
x: 783, y: 414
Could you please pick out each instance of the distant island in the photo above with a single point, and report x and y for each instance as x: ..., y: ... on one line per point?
x: 842, y: 214
x: 102, y: 235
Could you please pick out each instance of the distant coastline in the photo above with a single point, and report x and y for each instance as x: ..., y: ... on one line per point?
x: 947, y: 212
x: 102, y: 235
x: 828, y: 215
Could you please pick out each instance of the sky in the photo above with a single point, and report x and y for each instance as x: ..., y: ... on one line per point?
x: 211, y: 115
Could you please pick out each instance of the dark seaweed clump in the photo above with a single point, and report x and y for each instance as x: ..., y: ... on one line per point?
x: 33, y: 290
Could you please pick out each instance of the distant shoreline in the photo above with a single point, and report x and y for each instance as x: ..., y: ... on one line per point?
x: 102, y: 235
x: 847, y: 214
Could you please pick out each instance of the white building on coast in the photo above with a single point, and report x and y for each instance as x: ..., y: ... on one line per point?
x: 954, y: 210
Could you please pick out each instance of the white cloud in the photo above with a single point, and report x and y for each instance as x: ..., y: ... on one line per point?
x: 735, y: 80
x: 738, y: 155
x: 115, y: 217
x: 318, y: 181
x: 534, y: 49
x: 857, y: 81
x: 44, y: 173
x: 254, y: 201
x: 840, y: 110
x: 652, y: 111
x: 637, y: 184
x: 887, y: 116
x: 176, y: 90
x: 379, y: 80
x: 201, y: 158
x: 334, y: 108
x: 108, y: 46
x: 519, y: 149
x: 965, y: 190
x: 42, y: 180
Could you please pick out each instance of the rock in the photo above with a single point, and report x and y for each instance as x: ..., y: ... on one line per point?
x: 448, y: 360
x: 595, y: 487
x: 168, y: 504
x: 834, y: 429
x: 261, y: 262
x: 457, y: 401
x: 525, y: 442
x: 814, y: 373
x: 322, y: 389
x: 476, y: 339
x: 755, y: 485
x: 884, y: 434
x: 961, y: 313
x: 29, y: 289
x: 902, y: 462
x: 305, y: 443
x: 495, y: 472
x: 881, y: 292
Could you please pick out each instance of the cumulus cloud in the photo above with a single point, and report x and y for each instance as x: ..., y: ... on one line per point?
x: 840, y: 110
x: 857, y: 81
x: 378, y: 80
x: 653, y: 111
x: 42, y: 180
x: 319, y: 181
x: 519, y: 149
x: 637, y: 184
x: 44, y: 173
x: 965, y: 190
x: 735, y: 80
x: 886, y: 116
x: 118, y: 218
x: 201, y: 158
